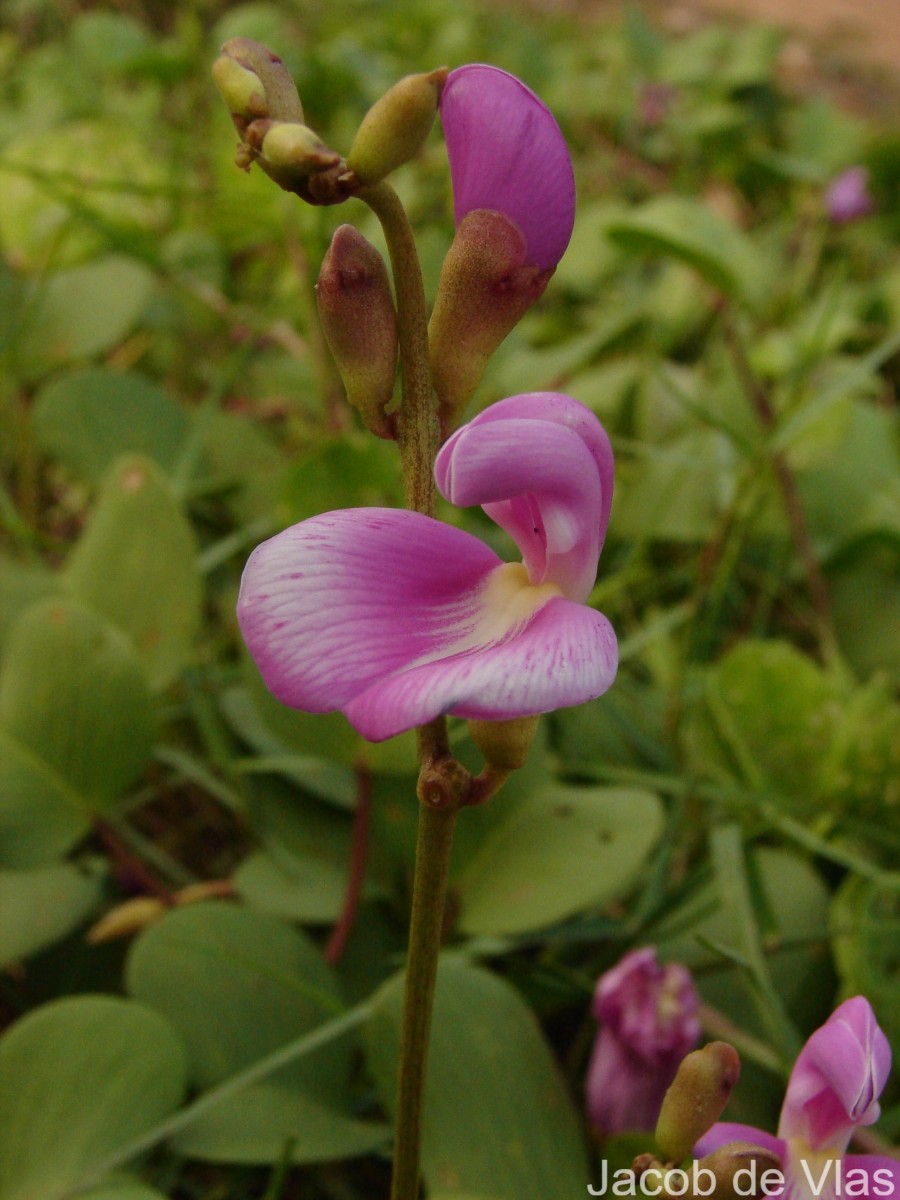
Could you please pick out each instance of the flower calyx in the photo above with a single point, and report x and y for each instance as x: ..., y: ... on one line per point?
x: 486, y: 287
x: 359, y: 321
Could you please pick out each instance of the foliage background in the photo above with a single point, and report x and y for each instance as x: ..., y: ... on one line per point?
x: 174, y: 846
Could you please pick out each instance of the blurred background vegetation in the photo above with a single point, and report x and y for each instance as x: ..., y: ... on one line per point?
x: 175, y: 846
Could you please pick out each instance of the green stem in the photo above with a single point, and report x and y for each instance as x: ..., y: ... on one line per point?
x: 418, y: 430
x: 443, y: 783
x: 435, y: 841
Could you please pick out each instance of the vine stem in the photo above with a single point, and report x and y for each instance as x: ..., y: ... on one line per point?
x: 443, y: 783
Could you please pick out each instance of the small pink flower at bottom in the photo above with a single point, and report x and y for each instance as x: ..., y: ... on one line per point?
x: 833, y: 1090
x: 395, y: 618
x: 648, y: 1023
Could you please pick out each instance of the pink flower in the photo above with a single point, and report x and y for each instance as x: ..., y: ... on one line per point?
x: 396, y: 618
x: 507, y: 154
x: 648, y: 1023
x: 833, y: 1090
x: 847, y: 197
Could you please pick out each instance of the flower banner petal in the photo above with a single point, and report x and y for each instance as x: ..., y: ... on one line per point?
x: 566, y: 654
x: 507, y: 153
x: 337, y: 602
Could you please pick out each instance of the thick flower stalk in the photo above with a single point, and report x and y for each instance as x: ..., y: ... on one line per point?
x: 833, y: 1090
x: 396, y: 618
x: 648, y: 1023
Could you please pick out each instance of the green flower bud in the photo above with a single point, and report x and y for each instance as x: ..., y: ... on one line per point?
x: 296, y: 149
x: 240, y: 88
x: 504, y: 744
x: 360, y: 324
x: 395, y: 128
x: 280, y: 97
x: 695, y: 1101
x: 485, y: 289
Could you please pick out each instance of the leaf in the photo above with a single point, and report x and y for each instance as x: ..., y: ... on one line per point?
x: 865, y: 931
x: 76, y: 723
x: 79, y: 312
x: 793, y: 900
x: 126, y: 1059
x: 687, y: 229
x: 88, y: 418
x: 136, y: 564
x: 122, y: 1189
x: 21, y: 584
x: 39, y: 907
x: 237, y: 985
x: 497, y: 1121
x: 562, y: 851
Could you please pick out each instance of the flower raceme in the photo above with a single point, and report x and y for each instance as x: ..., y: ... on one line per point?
x: 833, y: 1090
x: 395, y: 618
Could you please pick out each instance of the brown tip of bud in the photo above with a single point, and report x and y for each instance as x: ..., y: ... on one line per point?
x: 695, y: 1101
x: 357, y: 312
x: 485, y: 289
x: 396, y: 126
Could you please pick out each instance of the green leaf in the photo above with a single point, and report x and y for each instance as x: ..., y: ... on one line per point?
x: 498, y: 1120
x: 562, y: 851
x: 687, y: 229
x: 794, y: 902
x: 79, y: 312
x: 865, y: 930
x: 121, y: 1189
x: 136, y: 564
x: 21, y: 584
x: 39, y: 907
x: 238, y: 985
x: 126, y: 1059
x: 77, y: 724
x: 88, y: 418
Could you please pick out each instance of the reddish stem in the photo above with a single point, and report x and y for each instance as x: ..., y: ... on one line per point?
x: 359, y: 853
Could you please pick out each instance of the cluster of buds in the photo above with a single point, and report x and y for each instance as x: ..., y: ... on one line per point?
x: 514, y: 204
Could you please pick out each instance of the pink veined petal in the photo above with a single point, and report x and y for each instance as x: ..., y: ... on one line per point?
x: 541, y: 466
x: 837, y: 1078
x: 565, y: 654
x: 507, y: 153
x: 338, y: 602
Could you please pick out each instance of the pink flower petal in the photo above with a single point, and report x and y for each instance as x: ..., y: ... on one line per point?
x: 837, y: 1078
x: 565, y: 654
x: 541, y: 465
x: 332, y: 605
x: 507, y: 153
x: 730, y: 1131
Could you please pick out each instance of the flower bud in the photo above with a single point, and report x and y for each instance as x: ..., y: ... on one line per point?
x: 504, y: 744
x: 240, y: 88
x: 360, y: 324
x: 296, y: 149
x: 648, y: 1022
x: 395, y: 128
x: 485, y: 289
x: 279, y: 95
x: 725, y: 1163
x: 695, y: 1101
x: 131, y: 916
